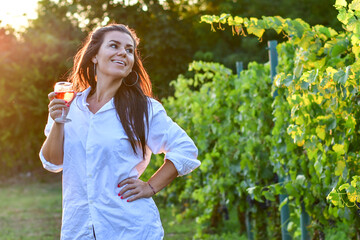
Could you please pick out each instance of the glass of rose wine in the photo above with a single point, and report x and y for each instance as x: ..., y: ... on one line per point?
x: 64, y: 90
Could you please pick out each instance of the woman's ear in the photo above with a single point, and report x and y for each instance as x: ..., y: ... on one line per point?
x: 94, y: 60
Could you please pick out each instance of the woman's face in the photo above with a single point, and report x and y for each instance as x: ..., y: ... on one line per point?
x: 115, y: 58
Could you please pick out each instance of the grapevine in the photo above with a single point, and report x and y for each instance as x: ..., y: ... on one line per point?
x: 307, y: 135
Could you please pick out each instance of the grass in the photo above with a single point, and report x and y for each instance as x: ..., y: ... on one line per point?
x: 30, y: 209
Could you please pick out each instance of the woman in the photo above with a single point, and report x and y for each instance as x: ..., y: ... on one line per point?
x: 116, y: 125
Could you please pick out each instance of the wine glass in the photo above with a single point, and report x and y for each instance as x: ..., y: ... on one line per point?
x: 64, y: 90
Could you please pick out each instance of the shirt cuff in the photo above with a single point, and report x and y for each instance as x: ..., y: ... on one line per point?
x: 48, y: 165
x: 184, y: 165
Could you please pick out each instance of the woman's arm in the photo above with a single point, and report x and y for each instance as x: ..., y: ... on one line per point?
x: 52, y: 149
x: 167, y: 137
x: 53, y: 146
x: 163, y: 176
x: 136, y: 188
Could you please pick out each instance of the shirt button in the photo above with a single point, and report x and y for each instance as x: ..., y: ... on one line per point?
x: 89, y: 175
x: 91, y: 202
x: 90, y: 228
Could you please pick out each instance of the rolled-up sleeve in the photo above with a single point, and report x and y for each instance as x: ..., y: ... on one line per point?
x: 48, y: 165
x: 165, y: 136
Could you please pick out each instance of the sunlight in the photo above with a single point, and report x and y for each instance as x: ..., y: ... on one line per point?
x: 17, y: 13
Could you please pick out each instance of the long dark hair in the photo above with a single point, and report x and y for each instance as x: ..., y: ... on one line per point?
x: 131, y: 101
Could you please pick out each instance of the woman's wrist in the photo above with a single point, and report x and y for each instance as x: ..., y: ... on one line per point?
x: 152, y: 188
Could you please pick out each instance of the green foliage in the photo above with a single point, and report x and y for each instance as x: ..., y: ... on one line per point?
x: 339, y: 231
x: 307, y: 135
x: 30, y: 67
x: 228, y: 117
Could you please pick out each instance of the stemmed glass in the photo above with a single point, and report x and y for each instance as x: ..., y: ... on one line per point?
x: 64, y: 90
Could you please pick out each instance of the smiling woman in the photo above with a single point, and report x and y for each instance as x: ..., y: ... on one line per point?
x: 115, y: 126
x: 17, y: 13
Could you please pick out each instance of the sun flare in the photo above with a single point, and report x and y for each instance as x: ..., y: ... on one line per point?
x: 17, y: 13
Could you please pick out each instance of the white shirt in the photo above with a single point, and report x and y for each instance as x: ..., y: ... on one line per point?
x: 97, y: 156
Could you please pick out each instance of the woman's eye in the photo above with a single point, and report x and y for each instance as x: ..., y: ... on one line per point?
x: 129, y: 50
x: 113, y: 45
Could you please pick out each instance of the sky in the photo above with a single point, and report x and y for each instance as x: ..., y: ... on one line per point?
x: 17, y: 12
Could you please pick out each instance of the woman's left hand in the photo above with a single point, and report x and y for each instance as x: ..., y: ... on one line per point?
x: 135, y: 188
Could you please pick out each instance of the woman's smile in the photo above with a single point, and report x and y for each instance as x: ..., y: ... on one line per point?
x: 120, y: 62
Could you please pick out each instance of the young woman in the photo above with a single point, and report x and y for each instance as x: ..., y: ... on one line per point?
x: 116, y: 125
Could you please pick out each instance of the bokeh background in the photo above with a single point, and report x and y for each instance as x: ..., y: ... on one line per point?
x: 34, y: 57
x: 255, y: 143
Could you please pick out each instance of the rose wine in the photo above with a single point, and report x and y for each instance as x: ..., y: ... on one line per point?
x: 67, y: 96
x: 64, y: 90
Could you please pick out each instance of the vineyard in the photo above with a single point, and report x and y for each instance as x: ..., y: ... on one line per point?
x: 265, y: 145
x: 279, y: 146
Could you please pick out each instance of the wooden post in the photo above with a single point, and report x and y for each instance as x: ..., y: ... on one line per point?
x: 284, y: 212
x: 249, y: 233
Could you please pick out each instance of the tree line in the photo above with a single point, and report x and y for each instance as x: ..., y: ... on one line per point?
x: 171, y: 37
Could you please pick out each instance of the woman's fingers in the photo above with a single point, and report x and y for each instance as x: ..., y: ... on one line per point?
x: 55, y: 107
x: 51, y: 95
x: 126, y: 181
x: 129, y: 193
x: 135, y: 189
x: 56, y: 101
x: 135, y: 197
x: 127, y: 189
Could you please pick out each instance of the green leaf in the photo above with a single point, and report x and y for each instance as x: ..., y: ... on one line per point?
x: 254, y: 29
x: 320, y: 131
x: 209, y: 19
x: 318, y: 167
x: 341, y: 77
x: 279, y: 80
x: 344, y: 186
x: 334, y: 198
x: 330, y: 123
x: 313, y: 76
x: 299, y: 27
x: 223, y: 17
x: 300, y: 179
x: 298, y: 70
x: 255, y: 192
x: 355, y: 5
x: 351, y: 193
x: 269, y: 195
x: 340, y: 168
x: 339, y: 149
x: 284, y: 202
x: 344, y: 16
x: 328, y: 32
x: 351, y: 189
x: 338, y: 49
x: 304, y: 85
x: 312, y: 154
x: 236, y: 21
x: 340, y: 3
x: 356, y: 30
x: 275, y: 22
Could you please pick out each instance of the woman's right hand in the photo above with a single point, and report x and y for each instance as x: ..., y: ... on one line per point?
x: 56, y: 105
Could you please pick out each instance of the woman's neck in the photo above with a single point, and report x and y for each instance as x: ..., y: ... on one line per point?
x: 105, y: 90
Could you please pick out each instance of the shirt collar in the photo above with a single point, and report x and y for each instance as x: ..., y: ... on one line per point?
x: 83, y: 105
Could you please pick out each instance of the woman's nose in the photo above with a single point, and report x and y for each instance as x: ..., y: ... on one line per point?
x: 121, y: 51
